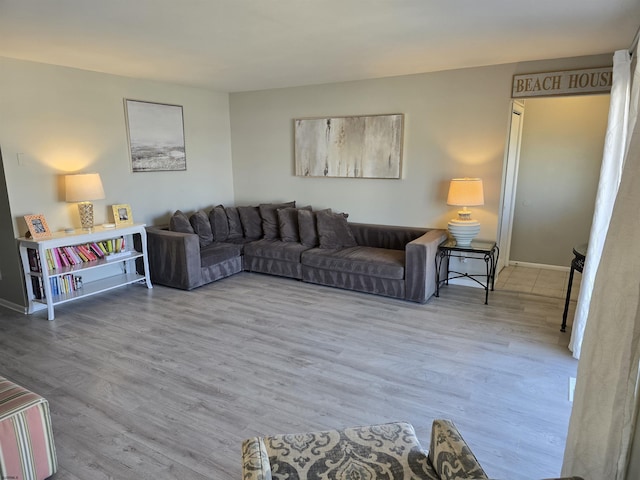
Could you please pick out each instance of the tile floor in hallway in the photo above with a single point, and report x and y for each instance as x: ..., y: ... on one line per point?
x: 539, y: 281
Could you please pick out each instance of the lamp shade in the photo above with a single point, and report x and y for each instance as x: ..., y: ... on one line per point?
x: 466, y: 192
x: 83, y: 187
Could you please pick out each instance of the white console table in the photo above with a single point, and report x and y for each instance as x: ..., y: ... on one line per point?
x: 43, y: 273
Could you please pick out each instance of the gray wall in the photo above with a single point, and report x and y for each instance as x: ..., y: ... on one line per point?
x: 455, y: 125
x: 560, y: 157
x: 11, y: 290
x: 66, y: 120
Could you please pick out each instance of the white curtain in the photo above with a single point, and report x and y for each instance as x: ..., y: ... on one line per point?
x: 615, y: 147
x: 603, y: 418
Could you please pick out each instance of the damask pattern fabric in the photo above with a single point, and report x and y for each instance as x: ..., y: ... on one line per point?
x: 390, y: 451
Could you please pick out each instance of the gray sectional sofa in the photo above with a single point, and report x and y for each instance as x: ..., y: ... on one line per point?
x: 278, y: 239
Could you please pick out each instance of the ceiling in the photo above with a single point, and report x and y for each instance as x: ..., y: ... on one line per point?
x: 240, y: 45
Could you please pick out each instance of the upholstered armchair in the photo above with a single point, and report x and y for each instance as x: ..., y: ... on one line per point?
x: 368, y: 453
x: 389, y: 451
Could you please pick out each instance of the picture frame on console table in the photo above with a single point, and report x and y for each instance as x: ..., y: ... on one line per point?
x: 156, y: 136
x: 122, y: 214
x: 37, y: 226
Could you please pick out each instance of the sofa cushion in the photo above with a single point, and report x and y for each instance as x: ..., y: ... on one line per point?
x: 215, y: 253
x: 275, y: 249
x: 179, y: 222
x: 268, y: 212
x: 371, y: 261
x: 251, y: 222
x: 333, y: 230
x: 219, y: 223
x: 201, y: 225
x: 235, y: 226
x: 288, y: 223
x: 307, y: 227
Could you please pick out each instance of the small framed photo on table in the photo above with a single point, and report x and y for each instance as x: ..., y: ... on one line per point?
x: 37, y: 225
x: 122, y: 215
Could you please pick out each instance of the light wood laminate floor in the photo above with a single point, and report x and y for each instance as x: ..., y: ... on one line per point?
x: 165, y: 384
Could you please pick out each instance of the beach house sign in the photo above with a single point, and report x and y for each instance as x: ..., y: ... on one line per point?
x: 570, y: 82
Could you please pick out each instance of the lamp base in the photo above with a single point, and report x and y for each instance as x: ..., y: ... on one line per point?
x: 464, y: 231
x: 86, y: 215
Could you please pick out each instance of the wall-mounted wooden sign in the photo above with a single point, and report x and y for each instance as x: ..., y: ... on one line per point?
x: 571, y: 82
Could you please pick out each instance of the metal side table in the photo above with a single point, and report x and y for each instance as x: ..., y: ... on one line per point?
x: 577, y: 263
x: 487, y: 251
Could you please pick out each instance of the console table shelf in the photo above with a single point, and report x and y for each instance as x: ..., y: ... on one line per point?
x: 39, y: 274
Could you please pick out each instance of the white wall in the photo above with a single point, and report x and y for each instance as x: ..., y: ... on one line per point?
x: 455, y: 125
x: 560, y: 158
x: 66, y: 120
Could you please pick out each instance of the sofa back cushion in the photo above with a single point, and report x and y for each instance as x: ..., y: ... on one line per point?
x: 251, y: 222
x: 201, y: 225
x: 333, y: 230
x: 269, y: 214
x: 307, y: 228
x: 235, y: 226
x: 179, y: 222
x: 288, y: 223
x: 219, y: 223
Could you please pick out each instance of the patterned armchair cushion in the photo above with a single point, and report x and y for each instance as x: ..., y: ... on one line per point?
x: 450, y: 454
x: 390, y: 451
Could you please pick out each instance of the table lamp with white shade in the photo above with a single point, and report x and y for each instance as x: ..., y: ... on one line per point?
x: 83, y: 188
x: 465, y: 192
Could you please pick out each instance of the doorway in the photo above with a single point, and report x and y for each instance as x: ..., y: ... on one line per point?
x: 550, y: 179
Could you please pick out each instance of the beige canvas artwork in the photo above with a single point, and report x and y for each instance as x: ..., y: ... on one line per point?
x: 357, y: 147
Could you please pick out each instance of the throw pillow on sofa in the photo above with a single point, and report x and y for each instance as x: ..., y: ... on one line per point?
x: 307, y: 227
x: 179, y: 222
x: 268, y: 212
x: 334, y: 231
x: 251, y: 222
x: 235, y: 227
x: 219, y: 223
x: 288, y: 223
x: 201, y: 225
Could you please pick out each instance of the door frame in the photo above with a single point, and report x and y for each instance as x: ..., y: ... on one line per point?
x: 510, y: 181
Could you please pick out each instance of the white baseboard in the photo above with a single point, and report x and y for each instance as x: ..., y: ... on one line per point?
x: 13, y: 306
x: 542, y: 266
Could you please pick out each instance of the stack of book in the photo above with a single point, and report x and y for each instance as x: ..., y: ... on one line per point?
x: 60, y: 257
x: 65, y: 284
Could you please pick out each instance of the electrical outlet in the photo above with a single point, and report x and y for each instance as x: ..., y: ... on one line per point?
x: 572, y: 387
x: 20, y: 158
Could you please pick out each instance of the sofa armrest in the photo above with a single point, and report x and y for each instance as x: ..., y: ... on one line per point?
x: 255, y: 461
x: 174, y: 258
x: 420, y: 267
x: 450, y: 455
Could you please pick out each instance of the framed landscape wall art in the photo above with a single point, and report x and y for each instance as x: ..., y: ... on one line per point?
x: 156, y: 136
x: 357, y: 146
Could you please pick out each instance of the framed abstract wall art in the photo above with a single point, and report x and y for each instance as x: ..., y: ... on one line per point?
x: 357, y: 146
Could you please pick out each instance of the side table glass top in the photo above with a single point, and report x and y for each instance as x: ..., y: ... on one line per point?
x: 476, y: 246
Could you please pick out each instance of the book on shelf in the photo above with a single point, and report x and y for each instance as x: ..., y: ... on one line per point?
x: 34, y: 260
x: 38, y: 290
x: 67, y: 256
x: 64, y: 284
